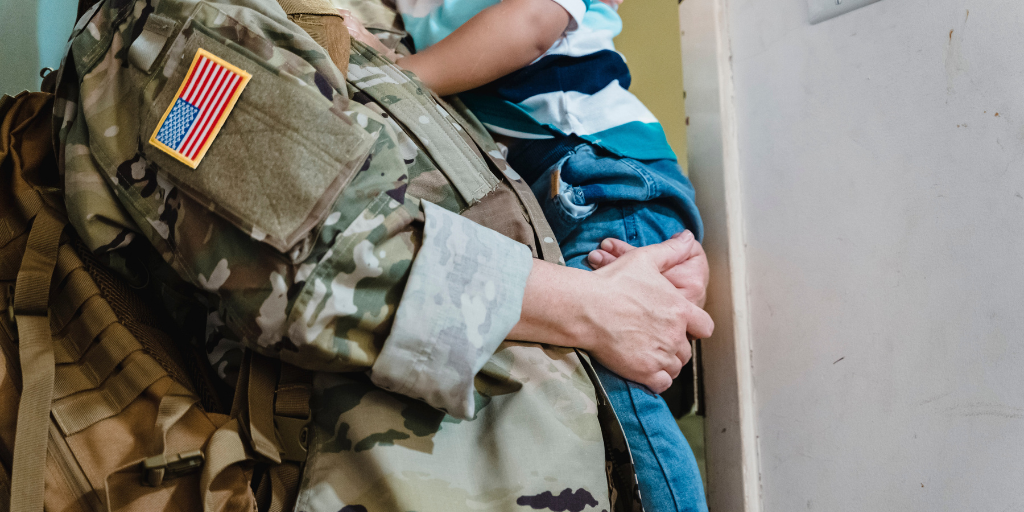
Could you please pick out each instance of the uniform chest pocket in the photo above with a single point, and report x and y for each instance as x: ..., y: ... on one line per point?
x: 280, y: 158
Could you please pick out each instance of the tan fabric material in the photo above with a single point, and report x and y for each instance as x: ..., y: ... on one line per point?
x: 114, y: 383
x: 325, y: 25
x: 8, y: 348
x: 73, y: 340
x: 501, y: 211
x: 262, y: 383
x: 321, y: 7
x: 78, y: 289
x: 80, y: 411
x: 31, y: 295
x: 284, y: 481
x: 97, y: 364
x: 5, y: 490
x: 67, y: 488
x: 226, y: 459
x: 10, y: 257
x: 294, y: 390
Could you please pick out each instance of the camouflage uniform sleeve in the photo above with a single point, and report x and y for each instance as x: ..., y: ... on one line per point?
x: 323, y: 292
x: 463, y: 296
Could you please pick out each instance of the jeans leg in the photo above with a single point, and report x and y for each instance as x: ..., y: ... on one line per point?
x: 666, y: 468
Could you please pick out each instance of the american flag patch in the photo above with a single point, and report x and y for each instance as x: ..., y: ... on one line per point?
x: 199, y: 108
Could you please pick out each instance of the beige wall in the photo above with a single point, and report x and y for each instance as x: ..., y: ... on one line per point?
x: 869, y: 170
x: 650, y: 42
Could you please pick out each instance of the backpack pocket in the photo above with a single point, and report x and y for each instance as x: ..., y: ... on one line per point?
x: 281, y: 157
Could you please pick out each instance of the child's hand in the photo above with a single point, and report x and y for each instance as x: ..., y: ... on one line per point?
x: 359, y: 33
x: 691, y: 276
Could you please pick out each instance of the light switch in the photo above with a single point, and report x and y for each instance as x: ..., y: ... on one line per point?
x: 822, y: 10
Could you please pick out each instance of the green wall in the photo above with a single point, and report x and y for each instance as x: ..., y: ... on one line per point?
x: 650, y: 42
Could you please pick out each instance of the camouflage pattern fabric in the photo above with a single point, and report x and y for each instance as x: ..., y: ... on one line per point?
x: 355, y: 277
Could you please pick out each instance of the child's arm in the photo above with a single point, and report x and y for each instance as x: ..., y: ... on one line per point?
x: 499, y: 40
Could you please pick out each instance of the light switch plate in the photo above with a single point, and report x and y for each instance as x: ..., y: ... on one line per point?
x: 822, y: 10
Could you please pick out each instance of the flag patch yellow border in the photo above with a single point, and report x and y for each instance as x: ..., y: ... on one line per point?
x: 199, y: 108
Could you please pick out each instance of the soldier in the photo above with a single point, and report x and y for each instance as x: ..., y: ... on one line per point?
x: 338, y: 223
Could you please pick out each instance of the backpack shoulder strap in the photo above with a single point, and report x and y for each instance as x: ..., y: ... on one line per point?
x: 31, y: 295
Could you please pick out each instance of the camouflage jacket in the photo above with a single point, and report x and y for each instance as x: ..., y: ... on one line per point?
x: 329, y: 221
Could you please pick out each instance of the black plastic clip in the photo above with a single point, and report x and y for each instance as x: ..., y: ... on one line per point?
x: 165, y: 467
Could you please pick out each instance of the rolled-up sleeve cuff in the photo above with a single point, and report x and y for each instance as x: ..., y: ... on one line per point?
x: 576, y: 9
x: 464, y: 295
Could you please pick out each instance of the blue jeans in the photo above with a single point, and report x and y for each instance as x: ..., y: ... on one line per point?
x: 598, y: 195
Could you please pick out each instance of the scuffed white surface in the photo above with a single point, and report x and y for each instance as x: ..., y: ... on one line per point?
x: 884, y: 219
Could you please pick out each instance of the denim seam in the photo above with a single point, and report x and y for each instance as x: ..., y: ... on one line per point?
x: 654, y: 452
x: 630, y: 224
x: 652, y: 184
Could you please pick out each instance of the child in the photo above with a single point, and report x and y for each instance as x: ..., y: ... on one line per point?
x: 544, y: 77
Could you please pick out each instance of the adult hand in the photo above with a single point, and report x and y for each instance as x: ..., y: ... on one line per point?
x: 691, y: 277
x: 643, y: 335
x: 626, y: 314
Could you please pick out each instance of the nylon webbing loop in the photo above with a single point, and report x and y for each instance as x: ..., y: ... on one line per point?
x: 31, y: 296
x: 292, y: 414
x: 262, y: 384
x: 78, y: 289
x: 82, y: 410
x: 73, y: 339
x: 97, y: 364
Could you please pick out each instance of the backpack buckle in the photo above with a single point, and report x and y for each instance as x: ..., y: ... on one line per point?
x: 293, y: 436
x: 165, y: 467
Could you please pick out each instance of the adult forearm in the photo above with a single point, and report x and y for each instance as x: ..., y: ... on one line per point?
x: 554, y: 305
x: 501, y: 39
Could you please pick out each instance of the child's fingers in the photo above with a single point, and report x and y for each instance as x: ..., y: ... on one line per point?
x: 599, y: 258
x: 685, y: 234
x: 615, y: 246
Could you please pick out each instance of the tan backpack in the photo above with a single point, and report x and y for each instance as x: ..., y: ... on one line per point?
x: 108, y: 410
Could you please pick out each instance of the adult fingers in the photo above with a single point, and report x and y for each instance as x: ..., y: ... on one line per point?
x: 676, y: 366
x: 669, y: 253
x: 700, y: 324
x: 659, y: 382
x: 684, y: 354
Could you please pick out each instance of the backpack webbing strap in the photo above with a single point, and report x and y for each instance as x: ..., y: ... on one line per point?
x: 324, y: 24
x: 224, y: 450
x: 262, y: 384
x: 5, y: 487
x: 292, y: 414
x: 284, y: 486
x: 31, y: 295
